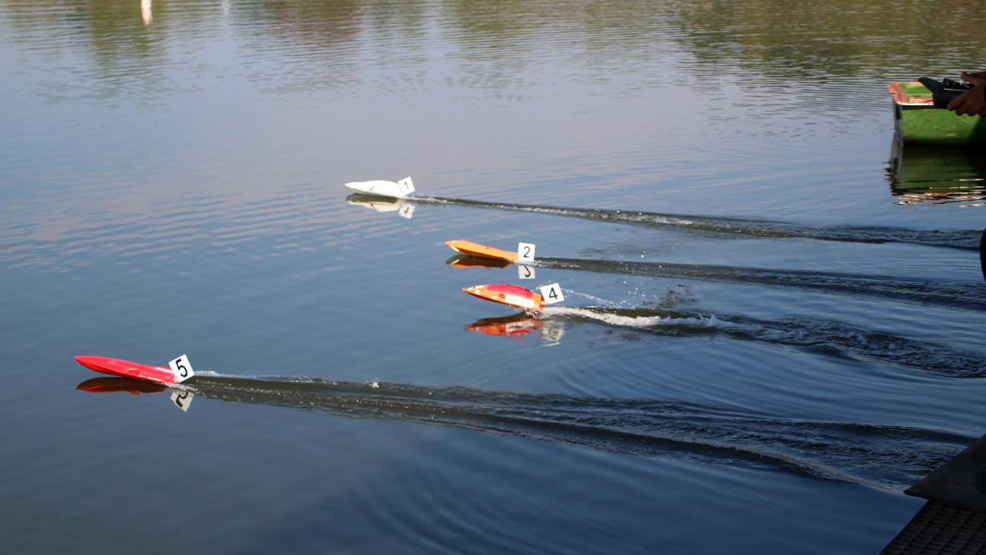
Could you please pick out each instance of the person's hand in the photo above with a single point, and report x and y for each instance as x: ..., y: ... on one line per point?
x: 973, y: 101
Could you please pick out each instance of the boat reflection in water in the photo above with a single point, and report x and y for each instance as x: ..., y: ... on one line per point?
x: 382, y: 204
x: 521, y: 324
x: 180, y: 397
x: 514, y: 325
x: 937, y: 175
x: 462, y: 261
x: 118, y: 385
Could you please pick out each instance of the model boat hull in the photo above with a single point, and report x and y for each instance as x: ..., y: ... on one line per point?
x: 918, y: 121
x: 383, y: 188
x: 475, y: 249
x: 128, y: 369
x: 510, y: 295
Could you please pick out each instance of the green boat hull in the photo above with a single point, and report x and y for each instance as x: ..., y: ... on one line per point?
x: 925, y: 124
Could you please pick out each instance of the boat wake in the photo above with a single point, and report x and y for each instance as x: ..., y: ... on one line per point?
x: 820, y: 336
x: 887, y: 457
x: 736, y: 227
x: 969, y: 295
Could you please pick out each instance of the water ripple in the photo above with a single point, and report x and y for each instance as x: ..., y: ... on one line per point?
x: 889, y: 457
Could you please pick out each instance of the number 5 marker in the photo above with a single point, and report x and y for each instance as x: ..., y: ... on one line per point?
x: 552, y: 293
x: 181, y: 368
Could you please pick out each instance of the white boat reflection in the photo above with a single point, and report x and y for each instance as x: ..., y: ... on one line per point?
x: 403, y: 208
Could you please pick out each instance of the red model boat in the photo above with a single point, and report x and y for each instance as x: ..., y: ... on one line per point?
x: 511, y: 295
x: 127, y: 369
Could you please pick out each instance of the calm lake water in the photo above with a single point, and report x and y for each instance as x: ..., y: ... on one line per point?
x: 773, y: 325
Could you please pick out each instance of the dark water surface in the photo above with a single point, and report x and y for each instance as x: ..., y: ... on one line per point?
x: 773, y: 321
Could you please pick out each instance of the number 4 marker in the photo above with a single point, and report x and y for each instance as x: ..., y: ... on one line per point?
x: 552, y: 293
x: 181, y: 368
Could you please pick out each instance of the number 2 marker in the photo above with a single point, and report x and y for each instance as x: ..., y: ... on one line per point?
x: 182, y: 399
x: 525, y: 252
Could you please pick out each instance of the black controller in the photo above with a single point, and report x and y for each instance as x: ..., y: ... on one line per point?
x: 944, y: 91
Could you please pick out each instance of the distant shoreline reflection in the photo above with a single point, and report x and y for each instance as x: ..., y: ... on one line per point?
x: 145, y: 11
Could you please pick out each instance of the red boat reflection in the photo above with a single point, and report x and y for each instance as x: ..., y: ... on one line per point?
x: 116, y: 385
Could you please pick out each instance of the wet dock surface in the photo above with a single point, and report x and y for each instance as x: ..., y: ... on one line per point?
x: 954, y: 519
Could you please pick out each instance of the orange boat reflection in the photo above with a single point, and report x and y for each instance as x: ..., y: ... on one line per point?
x: 515, y: 325
x: 467, y: 261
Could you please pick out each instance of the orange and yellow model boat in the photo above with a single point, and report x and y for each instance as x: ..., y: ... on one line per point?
x: 475, y: 249
x: 511, y: 295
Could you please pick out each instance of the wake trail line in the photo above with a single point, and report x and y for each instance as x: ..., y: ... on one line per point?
x: 968, y: 295
x: 816, y: 335
x: 881, y: 456
x: 736, y: 227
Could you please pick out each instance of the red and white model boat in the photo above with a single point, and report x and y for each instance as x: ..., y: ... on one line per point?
x: 127, y: 369
x: 511, y: 295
